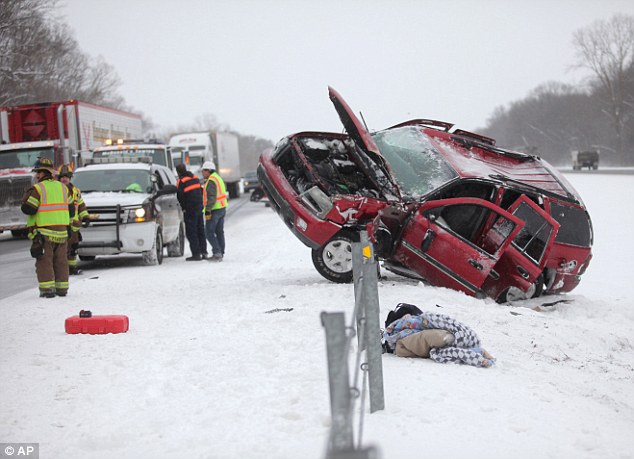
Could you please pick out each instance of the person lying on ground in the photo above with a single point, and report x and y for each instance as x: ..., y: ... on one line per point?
x: 438, y: 337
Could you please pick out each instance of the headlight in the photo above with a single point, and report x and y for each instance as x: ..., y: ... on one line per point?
x: 140, y: 214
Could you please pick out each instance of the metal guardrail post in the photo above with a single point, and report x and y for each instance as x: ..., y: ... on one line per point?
x: 357, y: 276
x: 372, y: 333
x: 341, y: 435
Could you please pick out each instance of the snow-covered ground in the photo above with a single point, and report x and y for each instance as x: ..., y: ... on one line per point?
x: 206, y: 372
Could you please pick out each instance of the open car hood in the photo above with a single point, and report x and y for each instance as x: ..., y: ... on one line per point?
x: 351, y: 123
x: 372, y: 163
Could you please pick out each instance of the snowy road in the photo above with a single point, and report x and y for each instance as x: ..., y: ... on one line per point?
x: 17, y: 267
x: 206, y: 372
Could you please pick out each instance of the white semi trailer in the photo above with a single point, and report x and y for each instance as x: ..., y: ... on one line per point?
x: 220, y: 147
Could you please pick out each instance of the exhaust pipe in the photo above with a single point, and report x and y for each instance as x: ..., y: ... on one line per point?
x: 60, y: 129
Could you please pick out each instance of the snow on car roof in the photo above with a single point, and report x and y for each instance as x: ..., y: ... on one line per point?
x: 476, y: 160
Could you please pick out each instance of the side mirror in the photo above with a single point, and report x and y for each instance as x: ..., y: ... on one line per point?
x: 167, y: 189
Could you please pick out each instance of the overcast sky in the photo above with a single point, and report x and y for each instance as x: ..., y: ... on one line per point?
x: 264, y: 67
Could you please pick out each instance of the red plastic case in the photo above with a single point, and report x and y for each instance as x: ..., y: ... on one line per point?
x: 97, y: 325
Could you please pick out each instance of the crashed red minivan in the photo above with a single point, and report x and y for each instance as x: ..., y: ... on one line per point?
x: 441, y: 205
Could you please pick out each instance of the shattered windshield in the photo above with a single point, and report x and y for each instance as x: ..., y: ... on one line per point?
x: 417, y: 166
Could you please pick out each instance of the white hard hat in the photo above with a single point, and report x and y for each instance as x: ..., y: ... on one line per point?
x: 209, y: 165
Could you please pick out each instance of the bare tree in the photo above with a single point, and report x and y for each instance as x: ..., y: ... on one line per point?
x: 606, y: 48
x: 41, y: 61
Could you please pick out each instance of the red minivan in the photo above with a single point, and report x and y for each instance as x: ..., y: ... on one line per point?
x: 443, y: 206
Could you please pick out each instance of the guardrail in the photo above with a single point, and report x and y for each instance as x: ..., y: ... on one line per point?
x: 365, y: 324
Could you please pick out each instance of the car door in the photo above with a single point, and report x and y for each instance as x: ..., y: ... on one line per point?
x: 535, y: 240
x: 456, y: 242
x: 168, y: 208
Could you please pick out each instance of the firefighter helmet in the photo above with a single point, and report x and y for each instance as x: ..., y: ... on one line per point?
x: 44, y: 165
x: 65, y: 170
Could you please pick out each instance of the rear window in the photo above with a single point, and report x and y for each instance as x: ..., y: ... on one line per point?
x: 575, y: 224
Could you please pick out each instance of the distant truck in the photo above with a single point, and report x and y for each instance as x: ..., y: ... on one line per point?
x: 220, y: 147
x: 587, y: 158
x: 54, y: 130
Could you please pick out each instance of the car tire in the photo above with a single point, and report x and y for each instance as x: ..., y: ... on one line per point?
x: 177, y: 248
x: 154, y: 256
x: 20, y: 234
x: 514, y: 294
x: 334, y: 260
x: 87, y: 257
x: 256, y: 195
x: 538, y: 286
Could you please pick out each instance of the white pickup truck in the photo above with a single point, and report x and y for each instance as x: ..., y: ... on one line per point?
x: 133, y: 209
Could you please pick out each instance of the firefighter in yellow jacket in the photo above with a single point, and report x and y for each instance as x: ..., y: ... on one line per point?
x: 81, y: 216
x: 49, y: 208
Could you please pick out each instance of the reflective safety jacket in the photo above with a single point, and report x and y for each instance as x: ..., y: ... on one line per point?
x: 81, y: 211
x: 215, y: 193
x: 53, y: 207
x: 190, y: 193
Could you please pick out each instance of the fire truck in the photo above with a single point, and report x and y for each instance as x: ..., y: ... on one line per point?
x: 55, y: 130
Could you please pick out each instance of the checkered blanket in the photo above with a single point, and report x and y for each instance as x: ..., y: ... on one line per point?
x: 465, y: 348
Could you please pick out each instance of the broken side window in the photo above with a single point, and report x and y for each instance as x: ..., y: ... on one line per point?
x: 534, y: 236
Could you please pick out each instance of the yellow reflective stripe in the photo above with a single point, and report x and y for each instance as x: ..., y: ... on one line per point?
x: 46, y: 285
x: 42, y: 190
x: 61, y: 285
x: 33, y: 201
x: 52, y: 207
x: 53, y: 235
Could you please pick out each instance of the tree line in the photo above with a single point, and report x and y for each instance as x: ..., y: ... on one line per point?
x: 41, y: 61
x: 557, y: 118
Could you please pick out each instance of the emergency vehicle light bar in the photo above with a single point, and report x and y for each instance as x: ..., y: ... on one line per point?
x: 118, y: 159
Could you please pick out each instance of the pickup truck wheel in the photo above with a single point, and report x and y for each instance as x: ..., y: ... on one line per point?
x: 177, y: 248
x: 334, y: 260
x: 19, y: 234
x: 154, y: 256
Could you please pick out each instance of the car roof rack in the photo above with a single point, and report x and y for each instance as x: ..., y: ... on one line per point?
x: 443, y: 125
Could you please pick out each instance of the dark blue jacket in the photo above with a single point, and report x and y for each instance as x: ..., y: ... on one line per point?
x: 190, y: 193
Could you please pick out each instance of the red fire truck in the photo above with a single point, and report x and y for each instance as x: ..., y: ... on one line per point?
x: 55, y: 130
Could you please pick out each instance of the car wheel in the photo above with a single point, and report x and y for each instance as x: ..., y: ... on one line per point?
x: 177, y: 248
x: 515, y: 294
x: 87, y: 257
x: 537, y: 288
x: 19, y: 234
x: 155, y: 255
x: 256, y: 195
x: 511, y: 294
x: 334, y: 260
